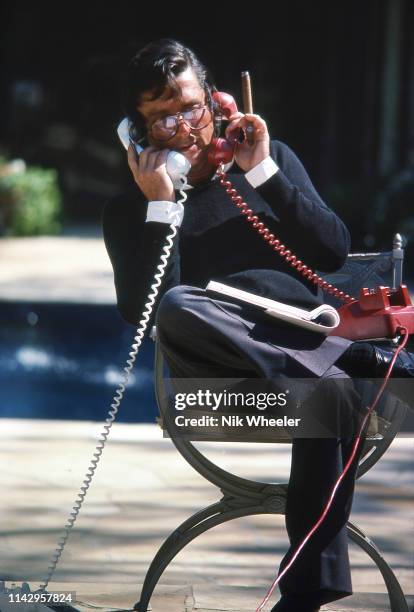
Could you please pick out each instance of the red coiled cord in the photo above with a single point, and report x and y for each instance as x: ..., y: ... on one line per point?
x: 309, y: 274
x: 275, y: 243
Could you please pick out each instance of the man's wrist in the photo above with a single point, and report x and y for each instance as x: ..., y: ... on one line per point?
x: 262, y: 172
x: 165, y: 211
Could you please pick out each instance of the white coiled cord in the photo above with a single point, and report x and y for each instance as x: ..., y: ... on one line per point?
x: 119, y: 393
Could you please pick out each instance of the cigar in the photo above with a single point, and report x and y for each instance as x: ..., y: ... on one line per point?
x: 247, y: 104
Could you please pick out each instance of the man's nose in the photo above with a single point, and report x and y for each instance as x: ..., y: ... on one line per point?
x: 183, y: 129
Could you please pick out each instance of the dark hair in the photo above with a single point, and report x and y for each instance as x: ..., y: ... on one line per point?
x: 154, y: 68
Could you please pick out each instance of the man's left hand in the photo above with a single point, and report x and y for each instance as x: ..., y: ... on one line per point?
x: 247, y: 156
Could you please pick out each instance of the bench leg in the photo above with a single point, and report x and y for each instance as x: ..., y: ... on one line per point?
x: 395, y: 593
x: 197, y: 524
x: 219, y: 513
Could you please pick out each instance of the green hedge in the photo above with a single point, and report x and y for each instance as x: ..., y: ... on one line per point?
x: 30, y: 201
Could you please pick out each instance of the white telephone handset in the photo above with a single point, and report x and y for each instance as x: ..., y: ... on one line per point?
x: 177, y: 165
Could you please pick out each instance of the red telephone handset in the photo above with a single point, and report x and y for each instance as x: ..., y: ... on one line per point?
x: 221, y: 149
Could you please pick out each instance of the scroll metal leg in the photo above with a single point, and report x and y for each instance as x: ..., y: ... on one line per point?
x: 199, y: 523
x: 219, y: 513
x: 395, y: 593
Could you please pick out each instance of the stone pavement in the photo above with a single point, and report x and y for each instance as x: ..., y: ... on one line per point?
x: 143, y: 488
x: 69, y: 268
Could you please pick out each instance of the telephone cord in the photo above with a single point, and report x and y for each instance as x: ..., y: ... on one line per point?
x: 119, y: 393
x: 276, y: 244
x: 404, y: 333
x: 309, y: 274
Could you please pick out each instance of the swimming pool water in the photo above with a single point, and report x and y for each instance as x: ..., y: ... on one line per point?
x: 63, y: 361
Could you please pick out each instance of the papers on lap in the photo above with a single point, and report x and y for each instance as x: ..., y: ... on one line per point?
x: 322, y: 319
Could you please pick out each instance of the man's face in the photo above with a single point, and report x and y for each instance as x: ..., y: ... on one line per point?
x: 193, y: 144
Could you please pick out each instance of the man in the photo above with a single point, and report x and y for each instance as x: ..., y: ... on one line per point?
x: 168, y: 100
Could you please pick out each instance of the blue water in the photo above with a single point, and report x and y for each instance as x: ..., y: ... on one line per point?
x: 62, y: 361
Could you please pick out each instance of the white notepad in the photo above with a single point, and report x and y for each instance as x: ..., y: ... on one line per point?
x: 323, y: 319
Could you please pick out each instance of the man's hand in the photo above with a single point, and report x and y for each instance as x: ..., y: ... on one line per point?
x: 247, y: 155
x: 150, y: 174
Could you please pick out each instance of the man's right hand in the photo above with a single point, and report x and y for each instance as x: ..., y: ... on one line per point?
x: 150, y: 174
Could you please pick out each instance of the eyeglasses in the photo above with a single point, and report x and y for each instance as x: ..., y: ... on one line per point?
x: 167, y: 127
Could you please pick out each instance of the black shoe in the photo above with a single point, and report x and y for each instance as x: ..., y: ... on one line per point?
x: 289, y: 603
x: 403, y: 367
x: 367, y: 360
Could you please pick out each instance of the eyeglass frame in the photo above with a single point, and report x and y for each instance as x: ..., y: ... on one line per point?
x: 179, y: 116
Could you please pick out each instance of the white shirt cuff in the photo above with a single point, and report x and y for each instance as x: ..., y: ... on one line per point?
x: 262, y: 172
x: 163, y: 211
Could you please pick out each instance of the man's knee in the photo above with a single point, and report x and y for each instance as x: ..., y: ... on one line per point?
x: 173, y: 308
x: 329, y: 408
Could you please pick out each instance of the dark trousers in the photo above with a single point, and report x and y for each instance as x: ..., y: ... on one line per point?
x: 202, y: 337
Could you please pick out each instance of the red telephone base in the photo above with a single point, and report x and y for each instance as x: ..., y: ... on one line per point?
x: 379, y: 313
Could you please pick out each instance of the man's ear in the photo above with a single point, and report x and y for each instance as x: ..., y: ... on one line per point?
x: 143, y: 142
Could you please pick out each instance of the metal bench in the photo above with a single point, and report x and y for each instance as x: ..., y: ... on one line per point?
x: 242, y: 497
